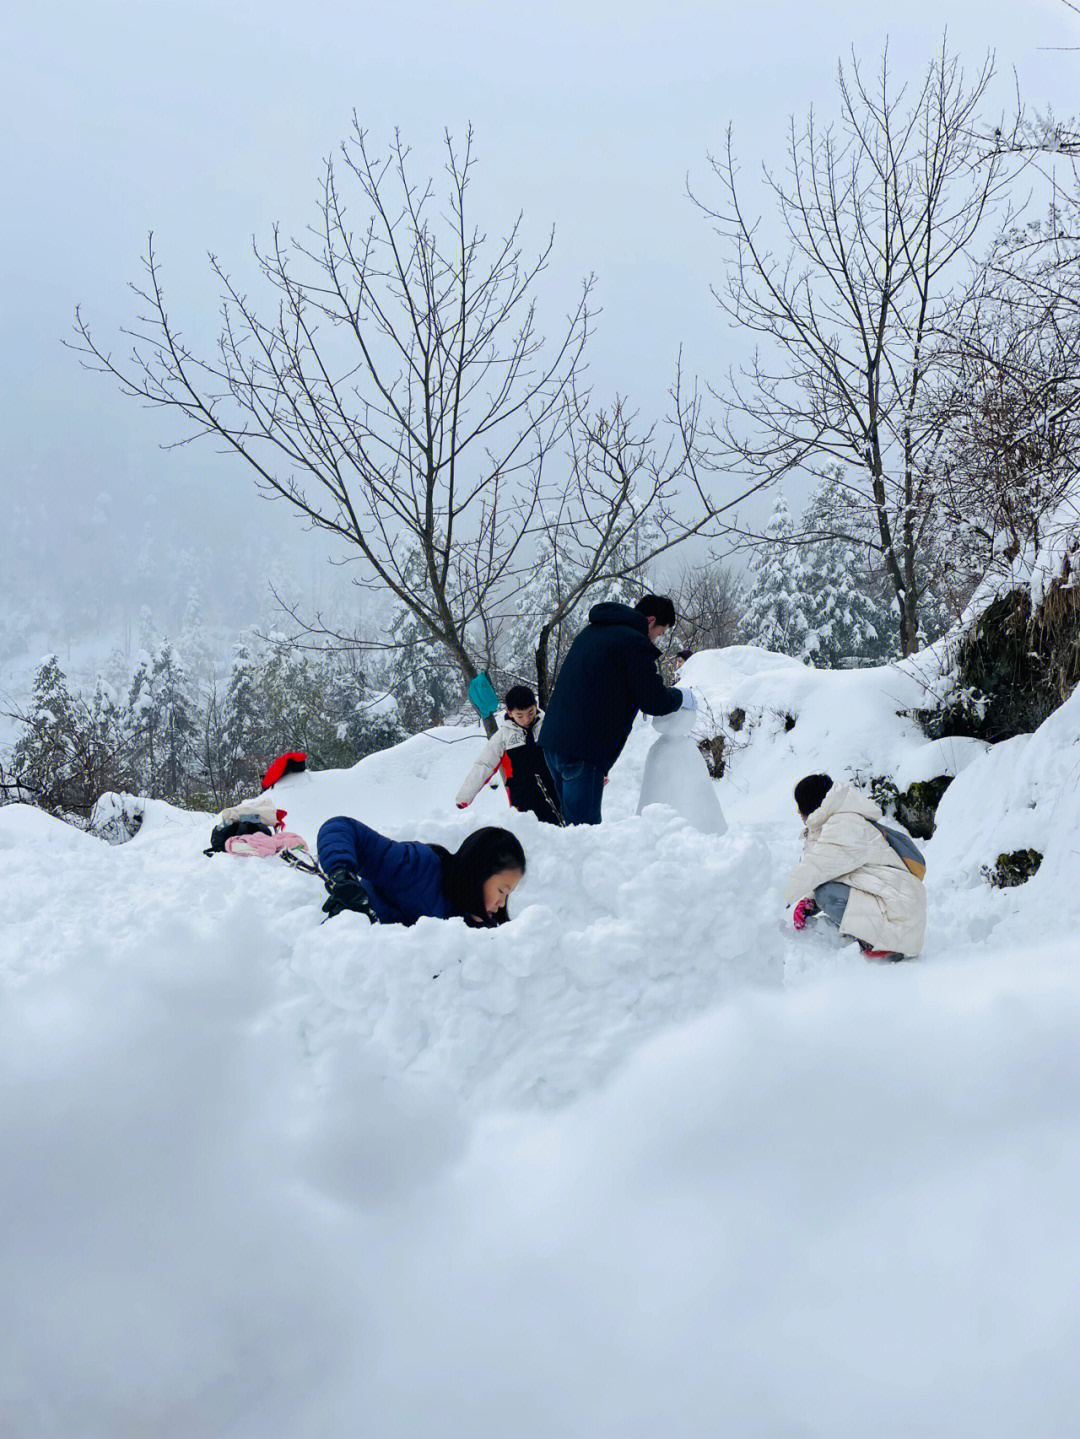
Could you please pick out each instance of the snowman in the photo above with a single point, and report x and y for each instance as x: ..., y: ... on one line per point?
x: 676, y: 775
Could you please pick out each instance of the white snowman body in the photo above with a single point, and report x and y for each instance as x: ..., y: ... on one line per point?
x: 676, y: 775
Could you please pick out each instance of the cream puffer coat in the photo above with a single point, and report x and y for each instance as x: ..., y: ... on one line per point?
x: 887, y: 904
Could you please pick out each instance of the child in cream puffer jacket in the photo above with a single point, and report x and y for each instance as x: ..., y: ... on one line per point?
x: 851, y: 873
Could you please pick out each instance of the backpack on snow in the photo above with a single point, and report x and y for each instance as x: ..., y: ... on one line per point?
x: 256, y: 816
x: 903, y: 845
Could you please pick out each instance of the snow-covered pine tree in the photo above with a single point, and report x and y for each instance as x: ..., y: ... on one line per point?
x: 358, y: 720
x: 289, y: 701
x: 849, y: 550
x: 230, y: 740
x: 147, y: 639
x: 177, y: 722
x: 848, y: 604
x: 163, y: 716
x: 936, y: 614
x: 776, y: 616
x: 71, y: 749
x: 142, y: 723
x: 843, y: 610
x: 420, y: 675
x: 198, y: 659
x: 43, y: 757
x: 106, y: 747
x: 241, y: 718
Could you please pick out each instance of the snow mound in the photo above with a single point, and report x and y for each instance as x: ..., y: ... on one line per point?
x: 616, y: 932
x: 22, y: 824
x: 643, y: 1161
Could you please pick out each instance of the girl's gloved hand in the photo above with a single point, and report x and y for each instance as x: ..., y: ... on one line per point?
x: 803, y: 910
x: 346, y: 892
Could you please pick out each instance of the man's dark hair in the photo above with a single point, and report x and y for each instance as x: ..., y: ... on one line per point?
x: 485, y: 852
x: 659, y: 607
x: 519, y: 697
x: 809, y: 792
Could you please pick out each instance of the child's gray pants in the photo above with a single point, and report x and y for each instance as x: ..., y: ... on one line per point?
x: 832, y: 898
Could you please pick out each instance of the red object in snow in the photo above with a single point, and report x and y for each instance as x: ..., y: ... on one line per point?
x: 284, y: 764
x: 803, y: 910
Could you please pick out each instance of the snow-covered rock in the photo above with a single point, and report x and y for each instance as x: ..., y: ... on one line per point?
x: 938, y: 757
x: 117, y: 818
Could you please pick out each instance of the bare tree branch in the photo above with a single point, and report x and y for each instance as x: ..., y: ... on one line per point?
x: 879, y: 214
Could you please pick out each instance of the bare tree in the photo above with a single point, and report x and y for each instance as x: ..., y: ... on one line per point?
x: 395, y: 391
x: 633, y: 493
x: 707, y: 602
x: 878, y: 216
x: 1010, y: 408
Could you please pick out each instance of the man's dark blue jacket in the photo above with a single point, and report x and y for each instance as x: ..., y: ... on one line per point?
x: 609, y: 674
x: 403, y: 881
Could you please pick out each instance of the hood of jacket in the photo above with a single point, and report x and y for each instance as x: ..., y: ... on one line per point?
x: 610, y: 612
x: 843, y: 799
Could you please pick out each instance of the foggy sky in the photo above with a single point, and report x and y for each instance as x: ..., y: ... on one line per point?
x: 207, y: 122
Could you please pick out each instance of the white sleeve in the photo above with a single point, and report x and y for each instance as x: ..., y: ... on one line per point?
x: 484, y: 767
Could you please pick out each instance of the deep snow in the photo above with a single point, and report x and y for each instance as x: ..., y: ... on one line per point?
x: 643, y: 1162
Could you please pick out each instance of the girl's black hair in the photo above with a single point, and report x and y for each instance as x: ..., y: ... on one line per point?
x: 481, y: 854
x: 809, y: 792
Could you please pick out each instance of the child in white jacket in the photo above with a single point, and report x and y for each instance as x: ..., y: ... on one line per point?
x: 851, y: 874
x: 513, y: 750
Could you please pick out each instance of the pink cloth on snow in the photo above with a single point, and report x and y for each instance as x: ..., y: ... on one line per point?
x: 260, y: 846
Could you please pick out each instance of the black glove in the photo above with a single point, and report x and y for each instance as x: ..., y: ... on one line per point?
x: 346, y: 892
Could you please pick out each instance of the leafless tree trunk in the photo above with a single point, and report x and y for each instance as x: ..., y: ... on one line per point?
x: 395, y: 391
x: 878, y: 216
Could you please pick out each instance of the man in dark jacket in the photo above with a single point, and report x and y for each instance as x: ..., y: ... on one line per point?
x: 609, y: 675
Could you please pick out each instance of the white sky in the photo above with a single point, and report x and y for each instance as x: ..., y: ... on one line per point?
x: 207, y: 122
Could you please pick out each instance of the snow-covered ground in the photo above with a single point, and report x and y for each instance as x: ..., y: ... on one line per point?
x: 642, y: 1163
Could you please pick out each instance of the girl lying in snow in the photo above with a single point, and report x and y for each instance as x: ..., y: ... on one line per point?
x: 396, y: 883
x: 851, y: 874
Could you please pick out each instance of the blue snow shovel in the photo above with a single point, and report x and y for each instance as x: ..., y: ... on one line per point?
x: 482, y: 695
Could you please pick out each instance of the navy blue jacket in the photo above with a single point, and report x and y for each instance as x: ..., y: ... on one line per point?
x: 609, y: 674
x: 403, y: 880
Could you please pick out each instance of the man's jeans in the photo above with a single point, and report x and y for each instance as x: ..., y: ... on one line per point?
x: 579, y: 788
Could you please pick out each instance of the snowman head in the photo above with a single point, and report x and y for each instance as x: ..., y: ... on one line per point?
x: 679, y: 725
